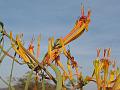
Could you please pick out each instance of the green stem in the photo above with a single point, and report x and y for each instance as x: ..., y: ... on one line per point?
x: 43, y: 83
x: 58, y: 76
x: 11, y: 75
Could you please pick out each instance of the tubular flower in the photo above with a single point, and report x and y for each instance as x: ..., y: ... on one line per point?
x: 54, y: 54
x: 109, y: 53
x: 38, y: 47
x: 103, y: 81
x: 21, y: 51
x: 49, y: 48
x: 106, y: 64
x: 117, y: 71
x: 77, y: 72
x: 54, y: 49
x: 18, y: 49
x: 98, y: 52
x: 69, y: 69
x: 81, y: 24
x: 97, y: 68
x: 73, y: 63
x: 61, y: 66
x: 104, y: 53
x: 105, y: 69
x: 10, y: 35
x: 31, y: 47
x: 65, y: 77
x: 116, y: 85
x: 63, y: 46
x: 112, y: 76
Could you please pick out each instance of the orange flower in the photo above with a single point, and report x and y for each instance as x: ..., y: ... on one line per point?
x: 81, y: 24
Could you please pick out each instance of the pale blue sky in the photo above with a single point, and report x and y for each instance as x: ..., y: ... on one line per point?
x: 56, y: 18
